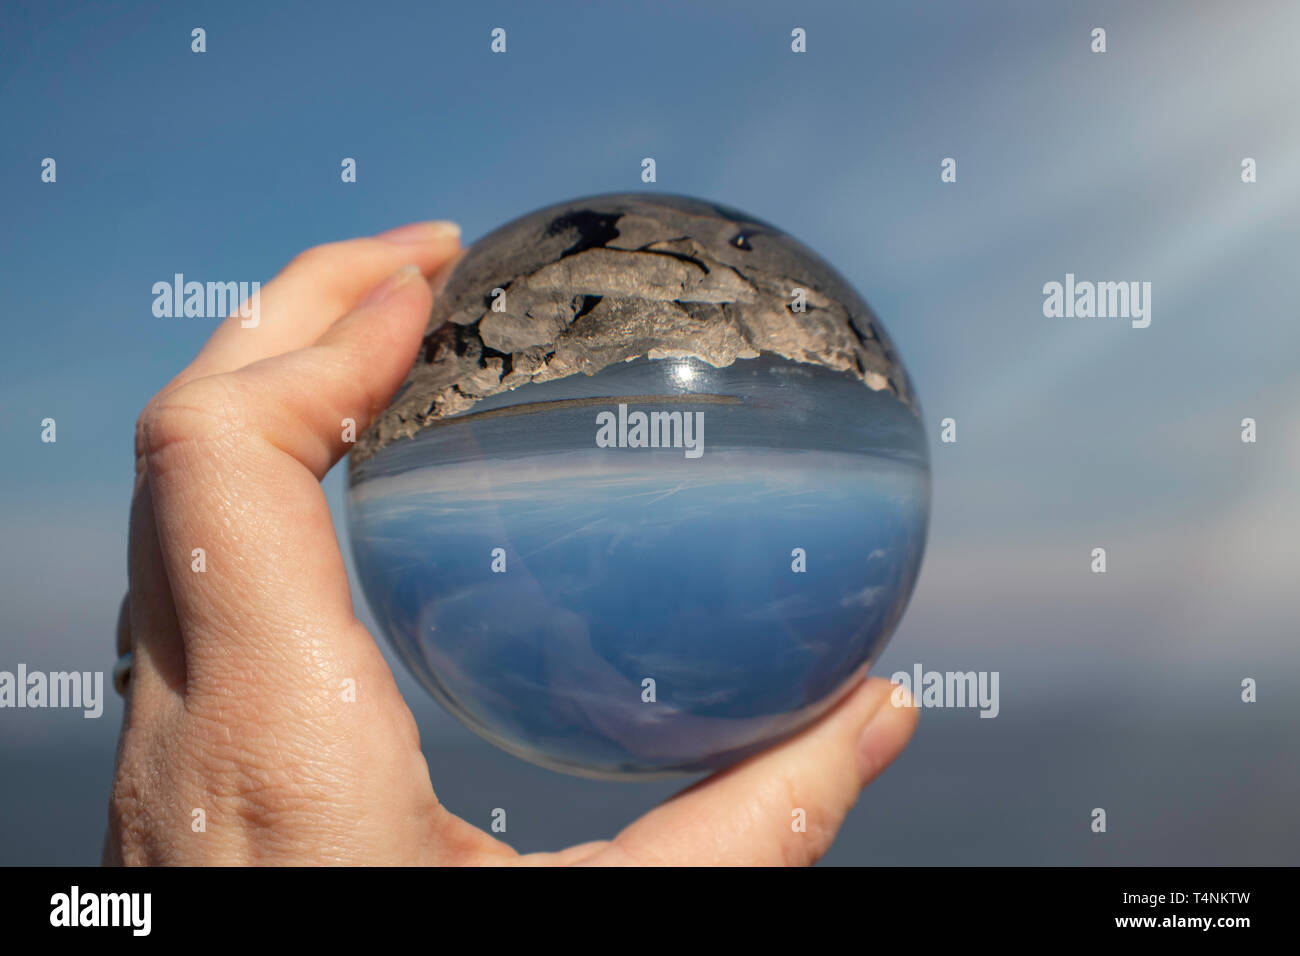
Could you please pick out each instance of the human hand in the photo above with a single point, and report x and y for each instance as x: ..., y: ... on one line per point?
x: 233, y: 703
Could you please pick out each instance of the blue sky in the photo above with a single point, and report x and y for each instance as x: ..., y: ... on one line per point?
x: 1072, y: 433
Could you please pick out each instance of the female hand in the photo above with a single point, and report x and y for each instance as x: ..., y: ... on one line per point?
x: 233, y: 705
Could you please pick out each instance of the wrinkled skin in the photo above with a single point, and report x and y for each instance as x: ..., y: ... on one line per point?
x: 234, y: 704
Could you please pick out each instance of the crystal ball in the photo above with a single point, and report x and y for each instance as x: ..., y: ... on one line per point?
x: 654, y: 494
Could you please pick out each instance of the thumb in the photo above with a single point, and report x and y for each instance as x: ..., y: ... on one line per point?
x: 784, y: 806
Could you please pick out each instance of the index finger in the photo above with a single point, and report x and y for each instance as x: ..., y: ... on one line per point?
x: 315, y: 290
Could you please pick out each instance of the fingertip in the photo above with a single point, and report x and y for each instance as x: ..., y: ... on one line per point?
x: 431, y: 251
x: 886, y: 731
x: 441, y: 273
x: 392, y: 308
x: 429, y: 245
x: 390, y: 285
x: 439, y: 230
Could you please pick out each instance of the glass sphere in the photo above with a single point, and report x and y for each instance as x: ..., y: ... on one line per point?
x: 654, y: 494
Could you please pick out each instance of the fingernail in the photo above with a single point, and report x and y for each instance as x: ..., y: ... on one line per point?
x: 391, y: 285
x: 875, y: 751
x: 421, y: 232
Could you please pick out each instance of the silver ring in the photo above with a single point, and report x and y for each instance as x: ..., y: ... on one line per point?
x: 122, y: 672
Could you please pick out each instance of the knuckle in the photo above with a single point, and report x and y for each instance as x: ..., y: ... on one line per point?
x: 316, y: 257
x: 821, y: 820
x: 806, y: 848
x: 205, y: 409
x: 126, y: 805
x: 135, y: 828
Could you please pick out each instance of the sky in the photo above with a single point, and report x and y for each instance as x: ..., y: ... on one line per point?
x: 1119, y: 690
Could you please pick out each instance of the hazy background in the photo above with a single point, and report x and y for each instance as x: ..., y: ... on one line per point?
x: 1119, y: 691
